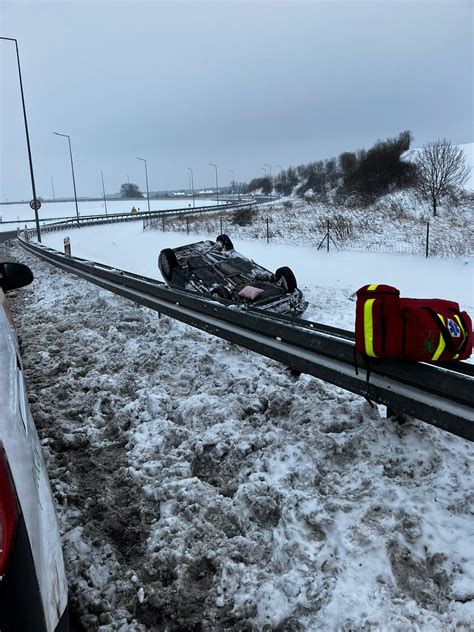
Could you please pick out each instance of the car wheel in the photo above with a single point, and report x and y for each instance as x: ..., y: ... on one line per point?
x: 285, y: 277
x: 167, y: 262
x: 225, y: 242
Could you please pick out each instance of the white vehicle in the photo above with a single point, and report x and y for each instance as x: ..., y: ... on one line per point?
x: 33, y: 588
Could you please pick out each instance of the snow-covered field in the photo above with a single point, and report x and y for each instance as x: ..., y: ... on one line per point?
x: 203, y: 487
x: 18, y: 212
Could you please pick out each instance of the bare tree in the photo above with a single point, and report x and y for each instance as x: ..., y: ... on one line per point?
x: 441, y: 169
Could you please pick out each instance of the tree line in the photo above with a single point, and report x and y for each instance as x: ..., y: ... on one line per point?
x: 360, y: 177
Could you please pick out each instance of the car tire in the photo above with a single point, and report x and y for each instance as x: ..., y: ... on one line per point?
x: 167, y: 262
x: 285, y: 277
x: 225, y: 242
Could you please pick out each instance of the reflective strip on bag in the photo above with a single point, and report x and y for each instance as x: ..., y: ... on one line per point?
x: 369, y: 327
x: 441, y: 344
x: 372, y: 287
x: 464, y: 332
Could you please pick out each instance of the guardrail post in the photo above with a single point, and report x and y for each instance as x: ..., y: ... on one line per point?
x: 268, y: 233
x: 187, y: 225
x: 163, y: 221
x: 328, y: 235
x: 427, y: 238
x: 220, y: 220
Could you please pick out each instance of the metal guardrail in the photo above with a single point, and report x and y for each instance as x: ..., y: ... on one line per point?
x: 230, y: 202
x: 439, y: 395
x: 112, y: 218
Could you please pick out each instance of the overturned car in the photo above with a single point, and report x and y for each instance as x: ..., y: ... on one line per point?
x: 216, y: 270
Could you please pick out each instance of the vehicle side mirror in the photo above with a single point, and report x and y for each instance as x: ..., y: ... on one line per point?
x: 14, y: 275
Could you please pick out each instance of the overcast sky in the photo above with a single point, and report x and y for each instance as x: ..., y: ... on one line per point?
x: 239, y: 84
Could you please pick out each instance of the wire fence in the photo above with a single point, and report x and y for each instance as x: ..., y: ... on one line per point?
x: 418, y: 237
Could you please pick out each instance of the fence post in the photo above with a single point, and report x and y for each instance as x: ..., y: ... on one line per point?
x: 163, y: 222
x: 427, y: 237
x: 220, y: 220
x: 187, y: 225
x: 328, y: 235
x: 268, y: 233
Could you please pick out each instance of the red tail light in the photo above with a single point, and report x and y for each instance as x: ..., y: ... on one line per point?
x: 8, y: 511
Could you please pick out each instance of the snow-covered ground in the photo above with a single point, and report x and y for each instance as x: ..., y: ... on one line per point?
x: 18, y: 212
x: 395, y: 223
x: 203, y: 487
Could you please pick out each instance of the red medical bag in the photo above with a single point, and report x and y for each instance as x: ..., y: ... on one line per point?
x: 429, y: 330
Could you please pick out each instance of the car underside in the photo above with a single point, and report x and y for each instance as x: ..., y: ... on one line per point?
x: 216, y: 270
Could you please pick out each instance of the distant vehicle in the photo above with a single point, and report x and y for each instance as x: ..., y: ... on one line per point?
x: 33, y: 588
x: 216, y: 270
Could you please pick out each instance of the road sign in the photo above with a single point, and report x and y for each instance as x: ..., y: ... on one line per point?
x: 35, y: 205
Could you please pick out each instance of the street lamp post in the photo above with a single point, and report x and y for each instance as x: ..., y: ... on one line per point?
x: 52, y: 186
x: 72, y: 169
x: 279, y: 175
x: 103, y: 191
x: 217, y: 182
x: 33, y: 186
x: 192, y: 185
x: 233, y: 182
x: 270, y: 167
x: 146, y: 177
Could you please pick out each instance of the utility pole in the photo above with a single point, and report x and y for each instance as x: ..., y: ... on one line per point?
x: 103, y: 191
x: 217, y: 182
x: 72, y: 169
x: 192, y: 185
x: 146, y: 176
